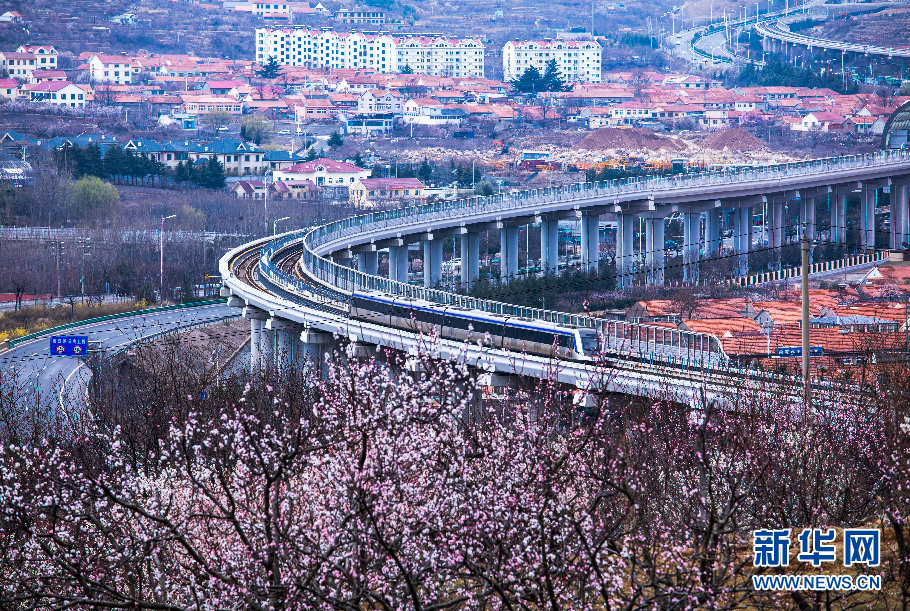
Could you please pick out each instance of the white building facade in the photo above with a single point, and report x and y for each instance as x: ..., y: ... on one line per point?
x: 577, y: 60
x: 316, y: 49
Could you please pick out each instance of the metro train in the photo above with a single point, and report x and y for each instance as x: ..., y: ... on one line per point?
x: 527, y: 335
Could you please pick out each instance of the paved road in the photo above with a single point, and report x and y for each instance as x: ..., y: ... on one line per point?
x: 37, y: 378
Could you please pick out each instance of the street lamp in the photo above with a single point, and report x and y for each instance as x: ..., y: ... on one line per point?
x: 275, y: 224
x: 161, y: 252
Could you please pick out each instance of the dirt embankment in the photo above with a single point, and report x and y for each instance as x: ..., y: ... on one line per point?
x: 632, y: 139
x: 733, y: 140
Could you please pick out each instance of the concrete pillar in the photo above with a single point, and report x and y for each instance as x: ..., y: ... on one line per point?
x: 625, y: 244
x: 867, y: 218
x: 654, y: 250
x: 691, y: 238
x: 286, y: 333
x: 508, y: 259
x: 776, y: 222
x: 900, y: 216
x: 590, y: 241
x: 712, y: 232
x: 839, y: 219
x: 398, y: 263
x: 470, y: 259
x: 742, y: 238
x: 807, y: 220
x: 257, y: 320
x: 312, y: 349
x: 432, y: 262
x: 267, y: 348
x: 549, y: 246
x: 368, y: 262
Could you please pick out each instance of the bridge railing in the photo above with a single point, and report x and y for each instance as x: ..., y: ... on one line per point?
x: 773, y: 30
x: 345, y: 279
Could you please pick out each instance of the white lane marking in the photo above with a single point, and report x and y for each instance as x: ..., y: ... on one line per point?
x: 65, y: 382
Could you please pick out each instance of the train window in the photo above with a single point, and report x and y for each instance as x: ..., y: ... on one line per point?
x: 455, y: 322
x: 589, y: 343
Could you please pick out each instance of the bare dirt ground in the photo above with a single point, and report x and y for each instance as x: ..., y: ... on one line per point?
x: 733, y: 140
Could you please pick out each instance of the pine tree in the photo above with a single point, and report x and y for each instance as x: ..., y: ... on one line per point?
x: 271, y: 69
x: 212, y: 175
x: 425, y: 171
x: 114, y: 161
x: 335, y: 139
x: 182, y: 172
x: 551, y: 80
x: 530, y: 81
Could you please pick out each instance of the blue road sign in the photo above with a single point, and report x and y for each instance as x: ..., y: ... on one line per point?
x: 69, y: 345
x: 798, y: 351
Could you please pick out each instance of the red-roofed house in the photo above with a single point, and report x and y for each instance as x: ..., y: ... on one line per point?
x: 865, y: 126
x: 46, y: 56
x: 59, y: 93
x: 18, y: 65
x: 9, y: 88
x: 372, y: 191
x: 220, y: 87
x: 110, y: 69
x: 41, y: 76
x: 820, y: 121
x: 323, y: 172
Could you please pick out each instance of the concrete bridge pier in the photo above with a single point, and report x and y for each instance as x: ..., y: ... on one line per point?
x: 508, y: 257
x: 807, y: 220
x: 691, y: 239
x: 286, y: 333
x: 267, y: 347
x: 776, y: 228
x: 398, y: 262
x: 312, y: 349
x: 867, y: 217
x: 713, y: 231
x: 625, y: 244
x: 839, y: 218
x: 654, y: 249
x: 470, y: 259
x: 368, y: 262
x: 742, y: 238
x: 432, y: 260
x: 549, y: 245
x: 257, y: 320
x: 590, y: 241
x: 900, y: 216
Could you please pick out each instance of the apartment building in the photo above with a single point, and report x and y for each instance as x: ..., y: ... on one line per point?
x: 577, y: 60
x: 360, y: 16
x: 327, y: 49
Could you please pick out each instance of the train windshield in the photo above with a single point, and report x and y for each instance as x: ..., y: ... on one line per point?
x: 589, y: 343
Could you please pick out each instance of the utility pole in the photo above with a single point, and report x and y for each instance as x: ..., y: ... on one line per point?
x: 807, y: 384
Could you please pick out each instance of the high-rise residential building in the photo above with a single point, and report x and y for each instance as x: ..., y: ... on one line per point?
x: 327, y: 49
x: 577, y: 60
